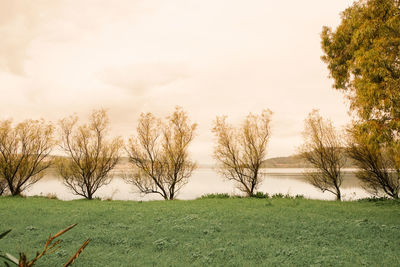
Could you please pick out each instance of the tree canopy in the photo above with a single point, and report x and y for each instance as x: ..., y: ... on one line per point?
x: 91, y: 156
x: 159, y: 154
x: 241, y: 151
x: 323, y: 149
x: 24, y: 153
x: 362, y: 54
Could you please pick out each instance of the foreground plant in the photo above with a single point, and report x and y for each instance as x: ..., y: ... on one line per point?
x: 49, y: 247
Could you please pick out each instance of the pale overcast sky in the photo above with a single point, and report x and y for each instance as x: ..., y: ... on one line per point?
x: 212, y: 57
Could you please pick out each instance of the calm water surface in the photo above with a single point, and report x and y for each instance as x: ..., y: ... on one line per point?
x: 205, y: 181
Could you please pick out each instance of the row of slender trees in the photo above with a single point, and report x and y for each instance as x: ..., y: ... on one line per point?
x: 160, y: 162
x: 158, y: 153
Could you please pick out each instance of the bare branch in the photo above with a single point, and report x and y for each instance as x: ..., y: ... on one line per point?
x: 323, y: 148
x: 241, y: 152
x: 378, y: 161
x: 159, y: 154
x: 91, y: 156
x: 24, y: 153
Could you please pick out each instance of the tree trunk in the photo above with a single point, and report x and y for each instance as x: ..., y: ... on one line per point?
x: 15, y: 191
x: 252, y: 190
x: 248, y: 192
x: 338, y: 195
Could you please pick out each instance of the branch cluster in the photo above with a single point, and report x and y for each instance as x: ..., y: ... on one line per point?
x: 24, y: 151
x: 323, y: 148
x: 377, y: 159
x: 91, y: 155
x: 159, y: 154
x: 240, y: 151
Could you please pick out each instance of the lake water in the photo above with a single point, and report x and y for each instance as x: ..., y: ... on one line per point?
x: 206, y: 181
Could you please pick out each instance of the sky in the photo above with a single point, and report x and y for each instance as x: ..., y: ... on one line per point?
x: 211, y: 57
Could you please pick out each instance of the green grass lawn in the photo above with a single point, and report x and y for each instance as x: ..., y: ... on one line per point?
x: 226, y: 232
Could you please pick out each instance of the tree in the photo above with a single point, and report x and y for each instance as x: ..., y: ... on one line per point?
x: 323, y: 148
x: 159, y: 154
x: 363, y: 59
x: 91, y: 156
x: 379, y: 162
x: 24, y: 153
x: 240, y: 152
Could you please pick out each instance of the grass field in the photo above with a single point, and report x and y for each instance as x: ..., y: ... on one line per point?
x: 217, y: 232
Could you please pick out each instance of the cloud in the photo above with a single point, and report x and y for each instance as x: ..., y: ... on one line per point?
x: 20, y: 23
x: 133, y: 56
x: 141, y: 78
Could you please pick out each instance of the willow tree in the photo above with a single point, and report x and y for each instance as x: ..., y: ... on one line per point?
x: 323, y: 148
x: 90, y: 155
x: 159, y: 154
x: 378, y: 161
x: 241, y: 151
x: 24, y: 153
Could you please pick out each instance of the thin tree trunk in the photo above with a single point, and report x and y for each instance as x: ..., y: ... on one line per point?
x: 338, y: 194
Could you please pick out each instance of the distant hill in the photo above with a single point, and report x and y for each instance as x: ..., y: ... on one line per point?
x: 295, y: 161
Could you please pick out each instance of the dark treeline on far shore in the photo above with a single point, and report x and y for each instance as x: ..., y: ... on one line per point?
x: 293, y: 161
x: 297, y: 161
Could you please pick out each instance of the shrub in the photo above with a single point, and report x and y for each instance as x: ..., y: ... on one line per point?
x: 373, y: 199
x: 238, y: 196
x: 278, y: 195
x: 51, y: 196
x: 260, y: 195
x: 215, y: 195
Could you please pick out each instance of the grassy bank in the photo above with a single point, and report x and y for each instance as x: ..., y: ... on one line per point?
x: 230, y: 232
